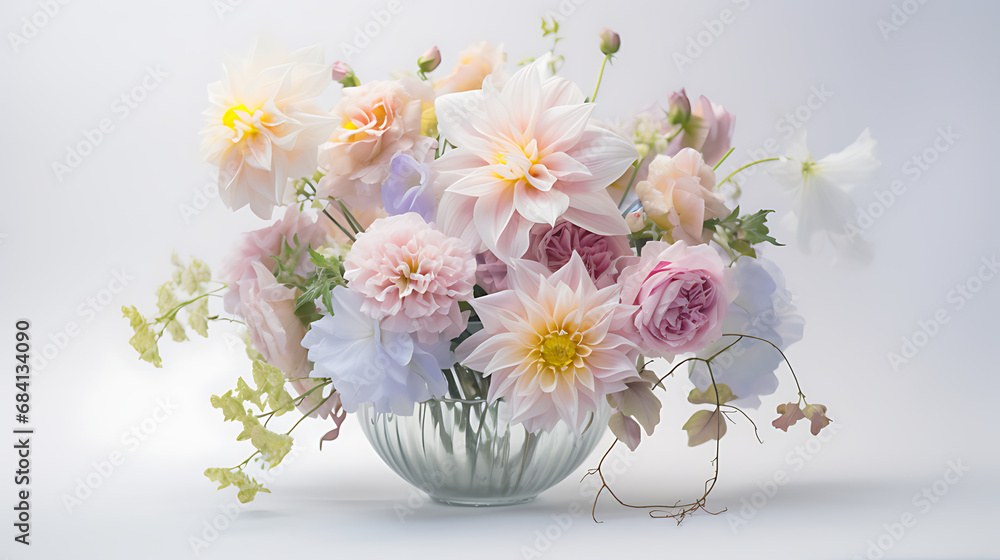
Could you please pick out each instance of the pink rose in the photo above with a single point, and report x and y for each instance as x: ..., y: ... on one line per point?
x: 679, y: 195
x: 683, y: 294
x: 377, y: 121
x: 553, y: 247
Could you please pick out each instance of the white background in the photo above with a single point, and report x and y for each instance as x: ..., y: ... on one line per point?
x: 62, y: 239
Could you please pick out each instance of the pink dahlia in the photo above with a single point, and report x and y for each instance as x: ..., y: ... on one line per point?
x: 553, y: 345
x: 412, y: 276
x: 527, y: 154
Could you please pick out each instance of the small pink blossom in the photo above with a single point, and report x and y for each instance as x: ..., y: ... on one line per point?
x: 412, y: 276
x: 683, y: 294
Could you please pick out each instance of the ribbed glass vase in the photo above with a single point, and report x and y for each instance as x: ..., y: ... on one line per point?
x: 461, y: 451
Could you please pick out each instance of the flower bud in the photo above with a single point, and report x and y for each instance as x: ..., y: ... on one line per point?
x: 610, y: 41
x: 680, y: 108
x: 429, y: 60
x: 636, y: 221
x: 343, y: 73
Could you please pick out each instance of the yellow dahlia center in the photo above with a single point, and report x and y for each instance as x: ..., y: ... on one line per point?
x: 230, y: 117
x: 558, y: 350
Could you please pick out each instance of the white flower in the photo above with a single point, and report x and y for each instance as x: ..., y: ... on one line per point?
x: 371, y: 365
x: 763, y: 309
x: 263, y: 127
x: 822, y: 203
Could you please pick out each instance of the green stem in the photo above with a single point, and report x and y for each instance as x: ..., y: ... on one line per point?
x: 724, y: 158
x: 635, y: 171
x: 336, y: 223
x: 600, y: 76
x: 752, y: 163
x: 306, y: 415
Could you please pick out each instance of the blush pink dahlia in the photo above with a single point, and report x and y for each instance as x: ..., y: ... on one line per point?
x: 552, y: 345
x: 527, y: 154
x: 683, y: 294
x: 412, y: 276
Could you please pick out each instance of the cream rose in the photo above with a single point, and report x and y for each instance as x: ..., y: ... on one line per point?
x: 679, y: 195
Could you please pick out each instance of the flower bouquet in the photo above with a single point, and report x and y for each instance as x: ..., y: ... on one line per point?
x: 486, y: 274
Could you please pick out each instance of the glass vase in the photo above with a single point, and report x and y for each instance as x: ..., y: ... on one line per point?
x: 461, y: 451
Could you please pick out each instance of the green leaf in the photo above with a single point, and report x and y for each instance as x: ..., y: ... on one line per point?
x: 194, y: 276
x: 705, y: 425
x: 272, y: 445
x: 232, y: 408
x: 143, y: 339
x: 708, y: 396
x: 229, y: 477
x: 198, y: 318
x: 754, y: 228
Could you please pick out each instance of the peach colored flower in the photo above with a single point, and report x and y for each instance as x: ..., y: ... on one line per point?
x: 679, y: 195
x: 474, y: 65
x: 525, y: 155
x: 412, y: 277
x: 552, y: 345
x: 376, y: 121
x: 263, y: 127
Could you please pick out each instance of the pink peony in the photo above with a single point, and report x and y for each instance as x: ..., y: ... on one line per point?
x: 377, y: 121
x: 683, y: 294
x: 412, y: 276
x: 679, y: 195
x: 553, y: 247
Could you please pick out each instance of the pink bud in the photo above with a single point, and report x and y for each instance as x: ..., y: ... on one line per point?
x: 341, y: 70
x: 429, y: 60
x: 610, y: 41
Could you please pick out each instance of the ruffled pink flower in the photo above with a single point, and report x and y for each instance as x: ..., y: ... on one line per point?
x: 553, y: 345
x: 526, y: 154
x: 679, y: 195
x: 311, y: 227
x: 683, y: 294
x: 268, y: 309
x: 377, y: 121
x: 412, y: 276
x: 553, y: 247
